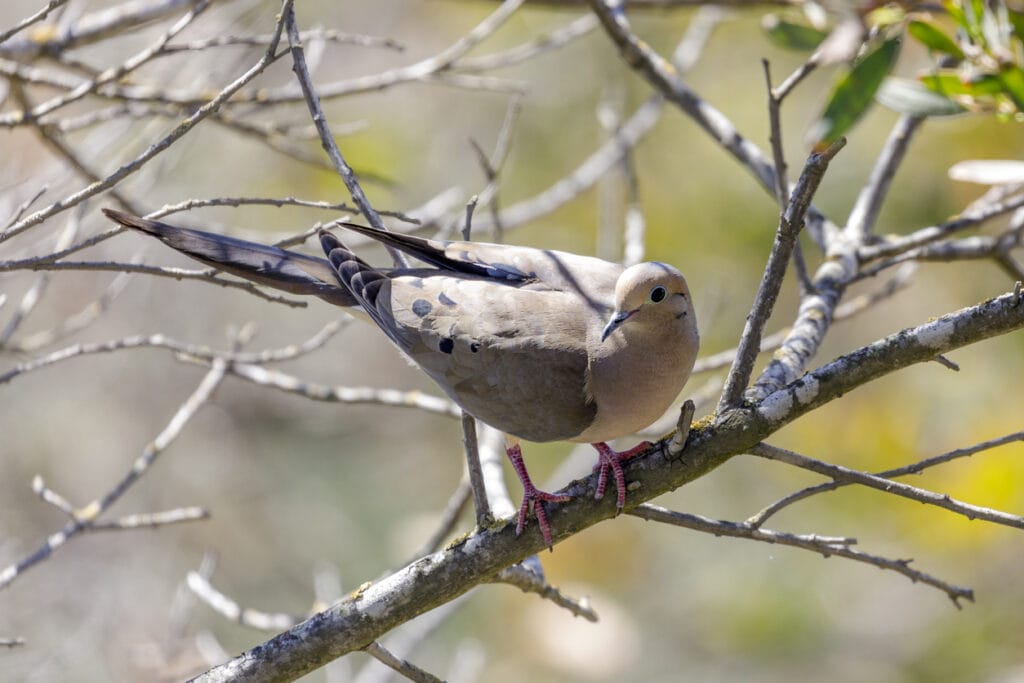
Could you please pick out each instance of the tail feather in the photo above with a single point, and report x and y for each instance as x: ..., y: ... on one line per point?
x: 278, y: 268
x: 361, y: 279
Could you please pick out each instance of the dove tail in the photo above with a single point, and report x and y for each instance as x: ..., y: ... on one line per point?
x: 361, y: 279
x: 281, y: 269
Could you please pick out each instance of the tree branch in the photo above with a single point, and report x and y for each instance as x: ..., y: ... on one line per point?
x: 444, y: 575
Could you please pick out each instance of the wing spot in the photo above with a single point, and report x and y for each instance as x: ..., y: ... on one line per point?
x: 447, y: 345
x: 421, y: 307
x: 445, y: 300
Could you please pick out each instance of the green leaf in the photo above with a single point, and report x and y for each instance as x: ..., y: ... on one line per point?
x: 954, y: 11
x: 948, y: 82
x: 934, y: 39
x: 791, y: 35
x: 1012, y: 78
x: 886, y: 15
x: 910, y: 97
x: 965, y: 17
x: 1017, y: 21
x: 854, y: 93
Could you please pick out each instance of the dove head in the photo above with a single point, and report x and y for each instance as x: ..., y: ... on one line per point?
x: 653, y: 296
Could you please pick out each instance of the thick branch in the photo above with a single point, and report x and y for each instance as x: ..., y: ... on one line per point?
x: 443, y: 576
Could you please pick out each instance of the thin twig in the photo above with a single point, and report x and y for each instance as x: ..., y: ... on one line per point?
x: 41, y: 14
x: 449, y: 518
x: 790, y: 224
x: 639, y: 55
x: 969, y: 219
x: 151, y: 520
x: 886, y: 485
x: 92, y: 27
x: 153, y: 150
x: 826, y: 546
x: 404, y: 667
x: 348, y: 176
x: 397, y: 398
x: 164, y: 342
x: 869, y: 202
x: 73, y: 323
x: 682, y: 431
x: 845, y: 311
x: 228, y: 608
x: 210, y: 275
x: 84, y: 517
x: 475, y: 473
x: 914, y: 468
x: 529, y: 582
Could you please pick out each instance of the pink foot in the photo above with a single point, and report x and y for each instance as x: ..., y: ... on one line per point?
x: 608, y: 459
x: 531, y: 494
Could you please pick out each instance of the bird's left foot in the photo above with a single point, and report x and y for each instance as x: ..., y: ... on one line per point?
x: 610, y: 459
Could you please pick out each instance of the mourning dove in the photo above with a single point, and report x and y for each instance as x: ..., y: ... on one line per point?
x: 543, y: 345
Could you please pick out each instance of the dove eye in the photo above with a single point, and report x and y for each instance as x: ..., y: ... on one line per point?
x: 658, y: 294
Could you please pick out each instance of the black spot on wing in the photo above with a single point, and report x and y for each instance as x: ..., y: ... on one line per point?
x: 445, y: 300
x: 421, y: 307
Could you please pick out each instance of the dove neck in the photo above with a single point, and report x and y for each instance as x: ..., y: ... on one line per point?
x: 630, y: 358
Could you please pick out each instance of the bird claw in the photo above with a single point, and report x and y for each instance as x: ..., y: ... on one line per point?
x: 538, y: 498
x: 609, y: 459
x: 531, y: 494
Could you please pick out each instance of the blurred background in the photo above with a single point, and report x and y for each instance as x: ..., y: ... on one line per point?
x: 295, y: 486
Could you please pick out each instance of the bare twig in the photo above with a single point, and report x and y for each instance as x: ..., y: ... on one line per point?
x: 449, y: 518
x: 83, y: 518
x: 41, y: 14
x: 210, y: 275
x: 969, y: 219
x: 228, y: 608
x: 397, y: 398
x: 529, y: 582
x: 914, y: 468
x: 911, y: 345
x: 790, y: 224
x: 90, y: 28
x: 554, y: 40
x: 404, y: 667
x: 74, y: 323
x: 475, y: 473
x: 660, y: 74
x: 864, y: 214
x: 846, y: 310
x: 886, y: 485
x: 825, y: 546
x: 326, y: 139
x: 678, y: 441
x: 611, y: 152
x: 190, y: 350
x: 114, y: 74
x: 151, y: 520
x: 153, y: 150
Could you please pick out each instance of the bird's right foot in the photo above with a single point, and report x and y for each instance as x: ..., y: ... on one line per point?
x: 532, y: 495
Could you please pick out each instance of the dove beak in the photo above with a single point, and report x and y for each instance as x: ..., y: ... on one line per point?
x: 617, y: 319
